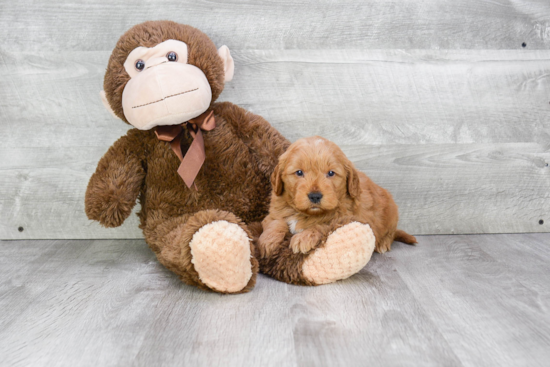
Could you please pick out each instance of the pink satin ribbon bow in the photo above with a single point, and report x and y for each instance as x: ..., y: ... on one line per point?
x: 194, y: 158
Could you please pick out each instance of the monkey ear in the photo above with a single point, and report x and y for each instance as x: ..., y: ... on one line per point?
x: 228, y: 64
x: 277, y: 180
x: 354, y: 184
x: 106, y: 103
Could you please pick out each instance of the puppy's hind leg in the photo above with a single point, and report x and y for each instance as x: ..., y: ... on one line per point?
x: 383, y: 243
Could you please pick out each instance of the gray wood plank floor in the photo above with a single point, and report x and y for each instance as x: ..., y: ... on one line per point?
x: 480, y: 300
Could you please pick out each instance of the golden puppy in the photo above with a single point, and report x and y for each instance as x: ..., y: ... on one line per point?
x: 317, y: 189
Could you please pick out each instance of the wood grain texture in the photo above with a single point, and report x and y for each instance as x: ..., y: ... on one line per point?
x: 328, y: 24
x: 483, y: 292
x: 463, y: 188
x: 459, y: 137
x: 451, y: 300
x: 351, y: 97
x: 397, y: 96
x: 443, y: 188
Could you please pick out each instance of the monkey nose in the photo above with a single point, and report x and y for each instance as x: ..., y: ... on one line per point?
x: 315, y: 197
x: 155, y: 61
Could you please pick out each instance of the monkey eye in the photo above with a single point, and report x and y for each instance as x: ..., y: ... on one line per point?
x: 172, y: 56
x: 299, y: 173
x: 140, y: 65
x: 331, y: 173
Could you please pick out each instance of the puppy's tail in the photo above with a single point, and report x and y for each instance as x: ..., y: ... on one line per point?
x: 404, y: 237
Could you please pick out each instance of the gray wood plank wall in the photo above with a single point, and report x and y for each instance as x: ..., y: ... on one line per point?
x: 438, y: 101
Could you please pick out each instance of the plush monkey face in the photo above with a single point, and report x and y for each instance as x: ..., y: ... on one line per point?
x: 164, y: 73
x: 164, y: 89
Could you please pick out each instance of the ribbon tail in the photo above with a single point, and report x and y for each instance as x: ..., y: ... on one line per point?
x: 193, y: 160
x: 176, y: 146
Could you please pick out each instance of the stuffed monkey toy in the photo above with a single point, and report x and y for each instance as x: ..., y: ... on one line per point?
x: 200, y: 169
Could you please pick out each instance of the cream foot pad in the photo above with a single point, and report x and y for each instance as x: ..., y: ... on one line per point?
x: 347, y: 250
x: 221, y: 255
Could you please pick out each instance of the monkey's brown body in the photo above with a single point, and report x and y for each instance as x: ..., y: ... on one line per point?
x: 233, y: 185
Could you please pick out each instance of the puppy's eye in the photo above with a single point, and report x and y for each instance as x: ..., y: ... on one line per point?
x: 140, y: 65
x: 172, y: 56
x: 331, y: 173
x: 299, y: 173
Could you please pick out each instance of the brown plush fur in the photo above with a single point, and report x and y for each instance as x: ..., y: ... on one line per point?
x: 233, y: 184
x: 348, y: 195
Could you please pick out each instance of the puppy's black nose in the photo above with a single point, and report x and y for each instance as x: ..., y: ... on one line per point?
x: 315, y: 197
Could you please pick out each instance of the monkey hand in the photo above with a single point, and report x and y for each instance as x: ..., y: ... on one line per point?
x: 115, y: 186
x: 107, y: 203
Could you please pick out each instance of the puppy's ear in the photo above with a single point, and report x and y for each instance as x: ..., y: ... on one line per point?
x: 354, y: 185
x: 277, y: 180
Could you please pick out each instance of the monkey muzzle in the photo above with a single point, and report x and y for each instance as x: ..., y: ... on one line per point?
x: 166, y: 94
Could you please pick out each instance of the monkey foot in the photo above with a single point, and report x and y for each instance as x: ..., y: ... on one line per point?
x: 221, y: 256
x: 346, y: 251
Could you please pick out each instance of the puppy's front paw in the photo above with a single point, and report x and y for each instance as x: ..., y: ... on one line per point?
x: 268, y: 243
x: 305, y: 241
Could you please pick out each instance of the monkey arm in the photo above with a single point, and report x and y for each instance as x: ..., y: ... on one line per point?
x: 263, y: 140
x: 116, y: 183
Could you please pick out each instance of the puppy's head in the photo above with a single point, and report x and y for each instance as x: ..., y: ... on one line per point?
x: 314, y: 176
